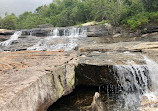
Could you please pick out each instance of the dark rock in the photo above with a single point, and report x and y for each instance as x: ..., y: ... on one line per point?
x: 98, y: 31
x: 150, y: 28
x: 94, y: 75
x: 39, y: 32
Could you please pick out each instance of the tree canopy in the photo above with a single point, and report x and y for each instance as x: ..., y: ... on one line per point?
x: 72, y: 12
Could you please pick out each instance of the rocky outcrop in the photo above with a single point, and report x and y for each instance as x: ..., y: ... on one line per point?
x: 6, y: 32
x: 39, y: 32
x: 99, y: 31
x: 150, y: 28
x: 98, y: 68
x: 32, y: 81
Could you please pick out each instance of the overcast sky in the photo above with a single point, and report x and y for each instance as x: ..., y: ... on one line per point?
x: 20, y: 6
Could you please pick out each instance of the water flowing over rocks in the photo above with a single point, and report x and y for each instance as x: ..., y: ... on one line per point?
x: 13, y: 38
x: 34, y: 80
x: 92, y: 31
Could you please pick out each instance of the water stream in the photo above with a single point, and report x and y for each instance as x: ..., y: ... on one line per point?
x: 134, y: 80
x: 64, y: 39
x: 13, y: 38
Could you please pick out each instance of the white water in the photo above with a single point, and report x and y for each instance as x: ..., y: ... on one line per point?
x: 152, y: 93
x: 61, y: 39
x: 153, y: 70
x: 135, y: 82
x: 11, y: 39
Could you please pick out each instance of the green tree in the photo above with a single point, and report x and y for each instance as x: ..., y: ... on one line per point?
x: 9, y: 22
x: 150, y: 5
x: 115, y: 10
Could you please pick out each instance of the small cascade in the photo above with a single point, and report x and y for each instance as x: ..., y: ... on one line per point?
x: 69, y: 32
x: 153, y: 70
x: 31, y: 33
x: 133, y: 82
x: 61, y: 39
x: 14, y: 37
x: 151, y: 95
x: 56, y: 32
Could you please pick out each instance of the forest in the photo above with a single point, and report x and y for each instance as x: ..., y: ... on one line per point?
x: 62, y: 13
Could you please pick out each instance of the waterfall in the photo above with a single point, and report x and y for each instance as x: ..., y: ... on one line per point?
x: 11, y: 39
x: 61, y: 39
x: 69, y: 32
x: 56, y: 32
x: 153, y: 70
x: 134, y: 83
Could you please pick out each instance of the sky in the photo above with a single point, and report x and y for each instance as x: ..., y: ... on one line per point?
x: 20, y: 6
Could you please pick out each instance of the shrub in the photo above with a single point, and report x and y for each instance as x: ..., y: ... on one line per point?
x: 141, y: 19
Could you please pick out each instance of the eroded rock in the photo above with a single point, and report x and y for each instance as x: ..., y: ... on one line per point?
x: 41, y: 79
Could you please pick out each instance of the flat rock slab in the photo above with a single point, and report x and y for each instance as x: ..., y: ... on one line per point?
x: 112, y: 58
x: 119, y: 47
x: 32, y: 81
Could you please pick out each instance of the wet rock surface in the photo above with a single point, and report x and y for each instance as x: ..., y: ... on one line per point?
x: 22, y: 43
x: 99, y: 31
x: 4, y: 37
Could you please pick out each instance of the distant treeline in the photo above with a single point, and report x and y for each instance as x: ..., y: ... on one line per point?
x: 132, y: 13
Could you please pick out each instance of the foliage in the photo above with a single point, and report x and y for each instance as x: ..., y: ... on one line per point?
x: 141, y: 19
x: 134, y: 13
x: 9, y: 22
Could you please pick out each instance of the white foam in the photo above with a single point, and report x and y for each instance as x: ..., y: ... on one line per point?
x: 14, y: 37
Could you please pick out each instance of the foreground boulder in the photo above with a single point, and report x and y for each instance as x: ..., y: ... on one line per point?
x: 32, y: 81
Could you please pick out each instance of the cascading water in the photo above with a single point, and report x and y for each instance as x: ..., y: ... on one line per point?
x: 12, y: 38
x: 55, y: 32
x: 61, y: 39
x: 153, y: 70
x: 134, y: 83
